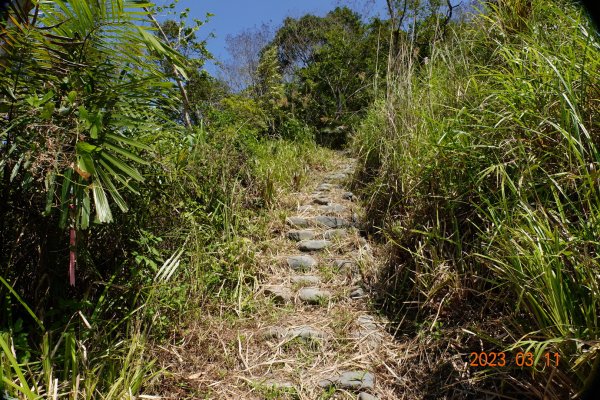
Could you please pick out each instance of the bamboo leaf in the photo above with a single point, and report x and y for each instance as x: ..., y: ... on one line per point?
x: 103, y: 212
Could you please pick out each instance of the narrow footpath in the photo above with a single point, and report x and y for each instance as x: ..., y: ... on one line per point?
x: 313, y: 333
x: 330, y: 345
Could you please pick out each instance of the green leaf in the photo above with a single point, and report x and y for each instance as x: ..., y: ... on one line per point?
x: 113, y: 191
x: 119, y: 164
x: 87, y: 148
x: 101, y: 203
x: 50, y: 183
x: 85, y: 162
x: 64, y: 198
x: 85, y: 210
x: 24, y: 388
x: 131, y: 142
x: 125, y: 153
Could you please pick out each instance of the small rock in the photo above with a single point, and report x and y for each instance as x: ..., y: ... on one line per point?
x: 336, y: 177
x: 345, y: 266
x: 313, y: 245
x: 311, y: 279
x: 357, y: 293
x: 298, y: 235
x: 366, y: 396
x: 333, y: 208
x: 335, y: 233
x: 367, y: 322
x: 298, y: 222
x: 324, y: 187
x: 306, y: 333
x: 313, y: 295
x: 279, y: 294
x: 275, y: 332
x: 301, y: 263
x: 321, y: 200
x: 356, y: 380
x: 332, y: 222
x: 352, y: 380
x: 348, y: 196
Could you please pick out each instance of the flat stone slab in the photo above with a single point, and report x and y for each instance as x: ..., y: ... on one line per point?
x: 350, y: 380
x: 301, y: 263
x: 321, y: 200
x: 313, y: 245
x: 333, y: 208
x: 280, y: 294
x: 306, y: 279
x: 298, y: 235
x: 335, y: 233
x: 366, y: 396
x: 313, y: 295
x: 298, y: 222
x: 331, y: 222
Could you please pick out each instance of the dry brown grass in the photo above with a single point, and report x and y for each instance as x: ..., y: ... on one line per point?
x: 223, y: 355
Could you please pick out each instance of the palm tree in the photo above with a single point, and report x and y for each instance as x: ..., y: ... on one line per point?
x: 79, y: 87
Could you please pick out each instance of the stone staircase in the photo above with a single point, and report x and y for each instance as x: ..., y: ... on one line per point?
x: 328, y: 344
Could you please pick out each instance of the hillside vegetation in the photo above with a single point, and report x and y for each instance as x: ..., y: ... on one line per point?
x: 479, y: 168
x: 134, y: 186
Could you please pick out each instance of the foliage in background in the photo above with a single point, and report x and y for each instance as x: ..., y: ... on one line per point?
x: 333, y: 64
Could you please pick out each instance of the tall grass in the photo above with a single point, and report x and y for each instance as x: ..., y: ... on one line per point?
x: 191, y: 254
x: 481, y: 169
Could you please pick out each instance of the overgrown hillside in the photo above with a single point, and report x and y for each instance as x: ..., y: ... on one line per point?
x: 479, y: 169
x: 136, y: 188
x: 127, y: 179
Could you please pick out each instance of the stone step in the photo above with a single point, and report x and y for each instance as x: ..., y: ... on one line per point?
x: 302, y: 332
x: 350, y: 380
x: 279, y: 294
x: 297, y: 222
x: 336, y: 177
x: 298, y: 235
x: 333, y: 208
x: 325, y: 187
x: 313, y: 245
x: 335, y: 233
x: 313, y: 295
x: 301, y: 263
x: 305, y: 279
x: 366, y: 396
x: 331, y: 222
x: 321, y: 201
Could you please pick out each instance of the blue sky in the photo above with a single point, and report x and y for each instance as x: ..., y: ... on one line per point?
x: 233, y: 16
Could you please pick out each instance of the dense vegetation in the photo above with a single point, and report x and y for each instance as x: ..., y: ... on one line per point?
x: 480, y: 168
x: 129, y: 177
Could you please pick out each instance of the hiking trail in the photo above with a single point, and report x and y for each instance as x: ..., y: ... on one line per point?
x: 313, y: 334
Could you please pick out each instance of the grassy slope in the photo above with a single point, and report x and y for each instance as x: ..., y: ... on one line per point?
x: 480, y: 168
